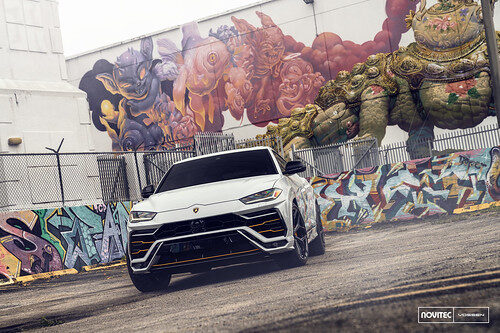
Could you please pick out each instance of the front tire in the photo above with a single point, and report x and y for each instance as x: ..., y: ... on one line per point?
x: 318, y: 245
x: 147, y: 282
x: 298, y: 256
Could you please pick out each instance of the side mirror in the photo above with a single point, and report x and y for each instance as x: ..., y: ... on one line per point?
x: 294, y: 167
x: 147, y: 191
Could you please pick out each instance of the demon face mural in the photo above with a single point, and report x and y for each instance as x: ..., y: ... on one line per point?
x: 237, y: 71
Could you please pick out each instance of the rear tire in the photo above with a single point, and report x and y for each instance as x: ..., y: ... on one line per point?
x: 298, y: 256
x: 147, y: 282
x: 318, y: 245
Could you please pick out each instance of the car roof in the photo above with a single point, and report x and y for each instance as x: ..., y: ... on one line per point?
x: 225, y: 152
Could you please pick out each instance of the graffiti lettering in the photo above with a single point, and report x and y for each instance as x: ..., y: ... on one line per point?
x: 409, y: 190
x: 464, y: 160
x: 53, y: 239
x: 18, y: 237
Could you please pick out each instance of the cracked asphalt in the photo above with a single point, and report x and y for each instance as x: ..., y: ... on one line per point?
x: 373, y: 279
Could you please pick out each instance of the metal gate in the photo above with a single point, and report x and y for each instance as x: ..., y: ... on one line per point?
x: 113, y: 177
x: 275, y: 142
x: 157, y: 164
x: 334, y: 158
x: 207, y: 143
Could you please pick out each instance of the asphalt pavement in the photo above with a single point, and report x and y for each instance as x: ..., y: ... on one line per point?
x: 369, y: 280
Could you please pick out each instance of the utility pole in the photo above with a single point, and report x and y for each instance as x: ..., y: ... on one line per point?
x: 311, y: 2
x: 491, y: 43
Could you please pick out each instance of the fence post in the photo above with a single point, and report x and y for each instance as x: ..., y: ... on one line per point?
x: 194, y: 146
x: 429, y: 145
x: 279, y: 143
x: 137, y: 169
x: 59, y: 168
x: 292, y: 153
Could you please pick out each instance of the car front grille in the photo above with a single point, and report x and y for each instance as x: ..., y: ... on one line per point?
x: 190, y: 227
x: 268, y: 223
x: 199, y: 249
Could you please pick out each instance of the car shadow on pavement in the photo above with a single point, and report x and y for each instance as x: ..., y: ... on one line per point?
x: 222, y: 274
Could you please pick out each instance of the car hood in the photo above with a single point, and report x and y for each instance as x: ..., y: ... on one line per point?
x: 206, y: 194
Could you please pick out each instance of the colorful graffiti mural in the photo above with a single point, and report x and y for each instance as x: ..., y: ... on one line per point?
x: 408, y: 190
x: 52, y: 239
x: 236, y: 71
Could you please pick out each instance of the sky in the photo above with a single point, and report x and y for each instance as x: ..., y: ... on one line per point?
x: 90, y: 24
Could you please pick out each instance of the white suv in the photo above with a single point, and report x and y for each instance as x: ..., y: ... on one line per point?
x: 220, y: 209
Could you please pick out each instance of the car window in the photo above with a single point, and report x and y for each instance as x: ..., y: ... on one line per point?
x: 218, y: 168
x: 281, y: 161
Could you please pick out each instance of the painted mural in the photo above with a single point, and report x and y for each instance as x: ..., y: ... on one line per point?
x: 408, y: 190
x: 239, y: 70
x: 440, y: 81
x: 46, y: 240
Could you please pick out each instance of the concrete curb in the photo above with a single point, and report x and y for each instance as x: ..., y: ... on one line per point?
x: 477, y: 207
x: 49, y: 275
x: 39, y: 276
x: 100, y: 267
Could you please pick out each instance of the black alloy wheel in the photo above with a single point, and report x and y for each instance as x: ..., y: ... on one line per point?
x: 298, y: 256
x: 318, y: 245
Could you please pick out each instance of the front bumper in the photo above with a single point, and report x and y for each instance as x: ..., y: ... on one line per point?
x: 220, y: 240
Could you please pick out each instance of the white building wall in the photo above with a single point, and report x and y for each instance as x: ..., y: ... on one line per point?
x: 37, y: 104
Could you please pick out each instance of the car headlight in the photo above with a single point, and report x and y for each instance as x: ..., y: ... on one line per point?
x: 262, y: 196
x: 141, y: 216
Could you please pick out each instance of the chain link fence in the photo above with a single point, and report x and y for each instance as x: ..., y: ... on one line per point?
x: 31, y: 181
x: 357, y: 154
x: 460, y: 140
x: 46, y: 180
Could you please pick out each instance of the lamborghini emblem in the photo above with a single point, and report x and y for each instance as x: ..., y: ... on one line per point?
x: 195, y: 210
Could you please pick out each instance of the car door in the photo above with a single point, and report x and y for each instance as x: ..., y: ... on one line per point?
x: 305, y: 200
x: 304, y: 195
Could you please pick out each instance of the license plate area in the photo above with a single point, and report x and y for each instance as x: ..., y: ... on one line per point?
x: 200, y: 248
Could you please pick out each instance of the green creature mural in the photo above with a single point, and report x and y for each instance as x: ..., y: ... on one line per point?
x: 441, y: 80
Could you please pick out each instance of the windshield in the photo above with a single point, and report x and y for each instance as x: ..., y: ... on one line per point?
x: 218, y: 168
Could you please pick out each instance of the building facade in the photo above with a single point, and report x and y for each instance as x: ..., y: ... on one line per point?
x: 38, y: 106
